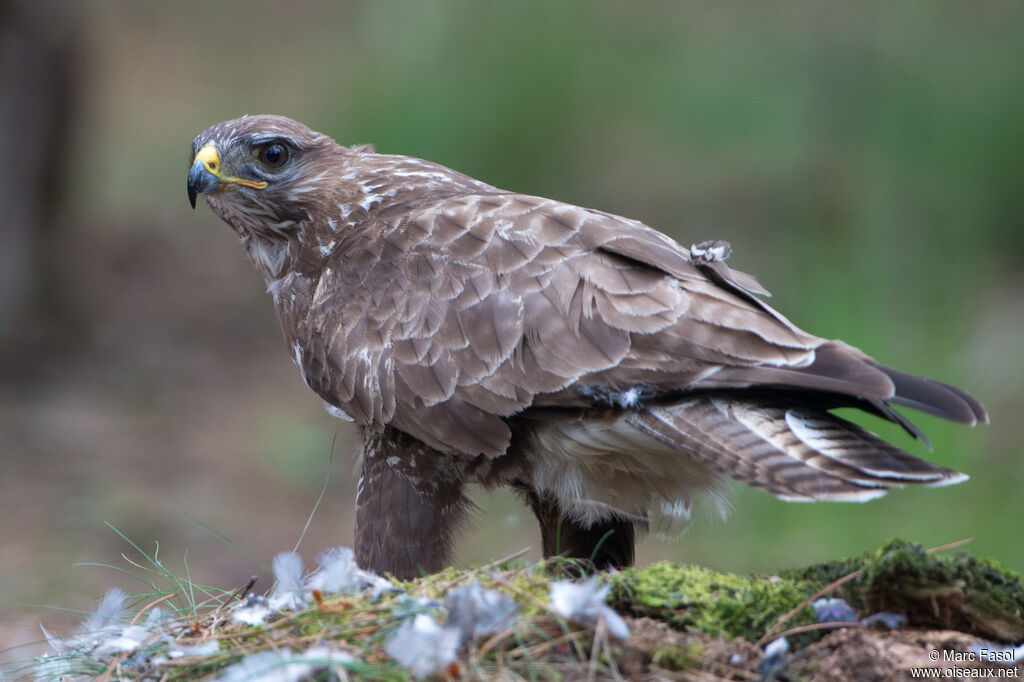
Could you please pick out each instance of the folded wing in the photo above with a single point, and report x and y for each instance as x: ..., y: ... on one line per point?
x: 477, y: 308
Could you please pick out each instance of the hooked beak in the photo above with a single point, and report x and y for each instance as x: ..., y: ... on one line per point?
x: 206, y: 175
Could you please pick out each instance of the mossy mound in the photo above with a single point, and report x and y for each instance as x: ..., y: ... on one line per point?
x: 682, y: 619
x: 955, y: 591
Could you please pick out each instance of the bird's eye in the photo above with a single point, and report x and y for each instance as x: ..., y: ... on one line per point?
x: 273, y: 155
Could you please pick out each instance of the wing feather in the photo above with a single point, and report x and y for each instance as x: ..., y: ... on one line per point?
x: 471, y: 308
x: 796, y: 454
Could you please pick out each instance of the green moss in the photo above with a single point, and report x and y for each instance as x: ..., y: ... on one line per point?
x: 689, y: 597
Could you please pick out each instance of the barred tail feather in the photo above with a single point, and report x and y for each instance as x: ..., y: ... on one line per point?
x: 795, y: 453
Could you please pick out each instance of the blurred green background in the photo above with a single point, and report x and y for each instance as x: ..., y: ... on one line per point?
x: 865, y: 160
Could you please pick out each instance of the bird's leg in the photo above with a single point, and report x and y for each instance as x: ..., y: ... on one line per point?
x: 409, y: 504
x: 606, y: 544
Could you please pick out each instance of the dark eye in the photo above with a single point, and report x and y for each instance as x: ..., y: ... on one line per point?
x: 274, y: 155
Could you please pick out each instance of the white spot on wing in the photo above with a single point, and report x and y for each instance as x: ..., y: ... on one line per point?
x: 372, y: 199
x: 320, y: 293
x: 709, y: 252
x: 297, y: 358
x: 339, y: 413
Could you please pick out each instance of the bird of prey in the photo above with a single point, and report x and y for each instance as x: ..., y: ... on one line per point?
x: 480, y: 336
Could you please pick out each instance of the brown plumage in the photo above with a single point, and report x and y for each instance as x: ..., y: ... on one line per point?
x: 592, y: 363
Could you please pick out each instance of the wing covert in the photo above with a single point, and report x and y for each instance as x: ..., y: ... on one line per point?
x: 457, y: 314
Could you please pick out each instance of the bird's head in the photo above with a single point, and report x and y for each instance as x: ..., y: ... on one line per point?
x: 263, y: 175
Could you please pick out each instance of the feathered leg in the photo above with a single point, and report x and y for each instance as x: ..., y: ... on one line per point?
x: 409, y: 504
x: 606, y: 544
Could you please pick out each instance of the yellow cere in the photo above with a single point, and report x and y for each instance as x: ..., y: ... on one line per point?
x: 210, y: 158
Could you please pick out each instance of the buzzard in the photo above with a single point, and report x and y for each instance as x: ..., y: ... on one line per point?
x: 480, y: 336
